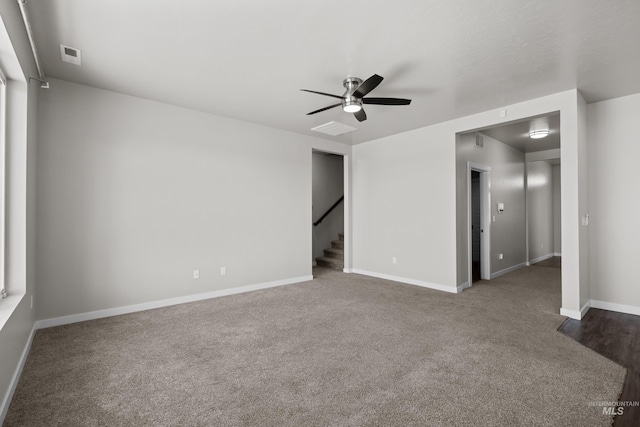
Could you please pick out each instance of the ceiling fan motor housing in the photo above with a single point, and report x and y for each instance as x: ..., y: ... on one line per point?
x: 350, y: 100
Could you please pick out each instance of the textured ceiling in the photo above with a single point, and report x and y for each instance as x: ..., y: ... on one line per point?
x: 248, y: 59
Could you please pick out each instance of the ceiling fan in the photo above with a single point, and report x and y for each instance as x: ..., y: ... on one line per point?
x: 354, y: 97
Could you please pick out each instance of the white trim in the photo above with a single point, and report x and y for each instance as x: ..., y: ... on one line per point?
x: 462, y: 287
x: 347, y: 270
x: 3, y: 183
x: 346, y: 231
x: 8, y: 306
x: 611, y: 306
x: 574, y: 314
x: 508, y: 270
x: 541, y: 258
x: 81, y: 317
x: 557, y: 254
x: 435, y: 286
x: 4, y: 407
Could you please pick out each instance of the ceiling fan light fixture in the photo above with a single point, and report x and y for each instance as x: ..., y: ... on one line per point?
x: 351, y: 106
x: 537, y: 134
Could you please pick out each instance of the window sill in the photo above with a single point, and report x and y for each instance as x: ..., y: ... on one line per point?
x: 8, y: 306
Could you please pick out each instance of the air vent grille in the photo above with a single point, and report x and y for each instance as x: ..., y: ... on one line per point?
x: 334, y: 128
x: 71, y: 55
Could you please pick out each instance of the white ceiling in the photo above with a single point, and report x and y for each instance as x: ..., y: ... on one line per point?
x: 516, y: 134
x: 248, y: 59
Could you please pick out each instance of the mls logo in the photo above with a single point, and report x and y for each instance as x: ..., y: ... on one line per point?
x: 612, y: 410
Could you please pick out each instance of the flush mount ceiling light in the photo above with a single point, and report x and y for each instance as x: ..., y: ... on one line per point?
x: 540, y: 133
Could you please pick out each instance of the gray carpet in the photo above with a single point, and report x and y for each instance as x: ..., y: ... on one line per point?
x: 342, y: 350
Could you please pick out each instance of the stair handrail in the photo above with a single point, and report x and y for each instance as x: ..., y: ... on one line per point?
x: 315, y: 224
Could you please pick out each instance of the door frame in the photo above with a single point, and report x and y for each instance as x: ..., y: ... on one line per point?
x: 485, y: 221
x: 346, y: 203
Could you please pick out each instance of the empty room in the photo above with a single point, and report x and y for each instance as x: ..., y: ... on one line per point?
x: 197, y: 232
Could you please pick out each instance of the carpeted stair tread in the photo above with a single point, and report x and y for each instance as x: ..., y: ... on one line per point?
x: 337, y: 244
x: 334, y: 253
x: 335, y: 263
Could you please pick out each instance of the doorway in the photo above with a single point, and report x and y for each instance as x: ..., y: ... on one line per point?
x: 479, y: 224
x: 328, y: 210
x: 476, y: 228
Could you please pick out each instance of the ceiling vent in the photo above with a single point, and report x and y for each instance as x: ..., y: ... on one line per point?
x: 334, y: 128
x: 71, y: 55
x: 479, y: 141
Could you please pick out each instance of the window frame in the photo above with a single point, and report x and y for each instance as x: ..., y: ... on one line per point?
x: 3, y: 127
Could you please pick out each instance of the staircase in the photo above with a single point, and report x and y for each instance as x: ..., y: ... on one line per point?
x: 333, y: 256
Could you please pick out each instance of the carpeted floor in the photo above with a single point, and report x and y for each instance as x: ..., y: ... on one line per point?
x: 343, y: 349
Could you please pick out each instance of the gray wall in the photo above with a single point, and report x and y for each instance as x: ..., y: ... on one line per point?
x: 540, y: 209
x: 557, y: 206
x: 21, y: 189
x: 405, y: 199
x: 134, y: 195
x: 507, y: 186
x: 614, y: 201
x: 328, y: 186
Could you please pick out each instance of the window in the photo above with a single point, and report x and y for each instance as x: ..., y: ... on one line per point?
x: 3, y: 116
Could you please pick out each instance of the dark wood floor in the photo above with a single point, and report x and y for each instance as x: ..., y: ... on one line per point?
x: 617, y: 337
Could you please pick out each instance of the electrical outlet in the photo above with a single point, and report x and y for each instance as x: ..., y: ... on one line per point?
x: 500, y: 256
x: 196, y: 274
x: 394, y: 260
x: 31, y: 302
x: 223, y: 271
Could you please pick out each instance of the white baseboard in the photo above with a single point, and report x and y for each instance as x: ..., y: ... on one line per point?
x: 620, y: 308
x: 462, y: 287
x: 347, y: 270
x: 557, y: 254
x: 541, y: 258
x: 575, y: 314
x: 508, y: 270
x: 81, y: 317
x: 4, y: 406
x: 435, y: 286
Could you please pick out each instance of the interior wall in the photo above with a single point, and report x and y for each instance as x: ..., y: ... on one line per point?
x: 20, y: 233
x: 557, y: 224
x: 583, y: 201
x: 134, y: 195
x: 540, y: 210
x: 405, y: 199
x: 21, y: 146
x: 508, y: 231
x: 328, y: 187
x: 613, y: 201
x: 404, y: 194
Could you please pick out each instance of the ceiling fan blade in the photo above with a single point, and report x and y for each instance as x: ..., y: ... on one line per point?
x: 386, y: 101
x: 360, y: 115
x: 322, y: 109
x: 368, y: 85
x: 322, y: 93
